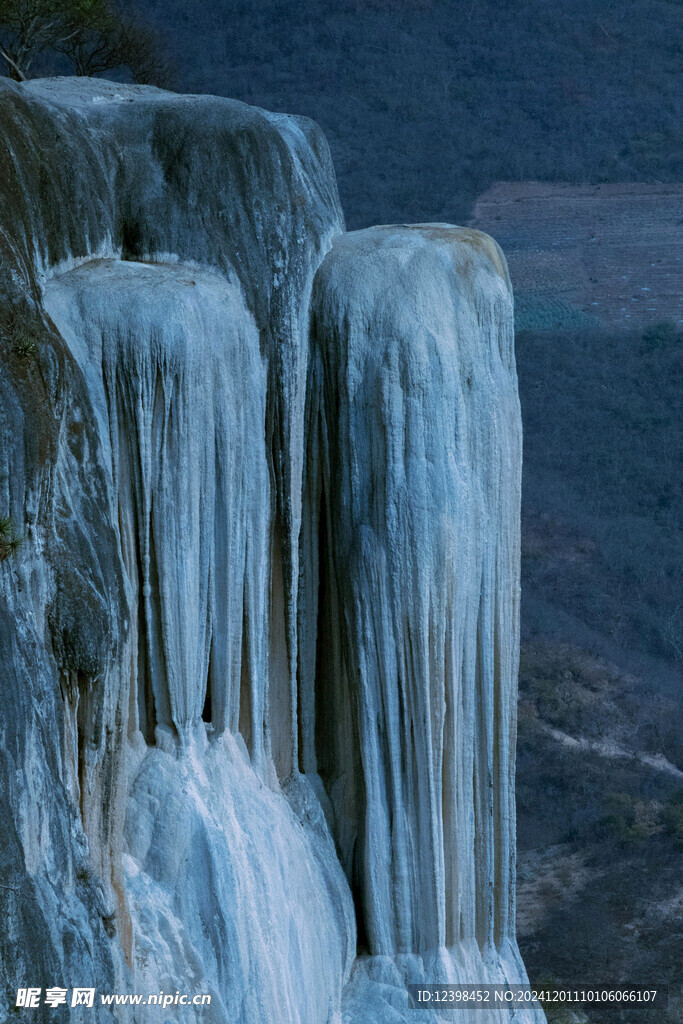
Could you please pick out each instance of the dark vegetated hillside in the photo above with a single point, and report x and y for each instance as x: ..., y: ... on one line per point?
x: 602, y: 542
x: 600, y: 740
x: 600, y: 829
x: 426, y: 102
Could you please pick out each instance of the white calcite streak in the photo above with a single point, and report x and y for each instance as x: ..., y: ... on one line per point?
x: 259, y: 645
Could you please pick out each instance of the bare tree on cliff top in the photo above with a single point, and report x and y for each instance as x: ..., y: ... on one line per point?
x: 95, y: 35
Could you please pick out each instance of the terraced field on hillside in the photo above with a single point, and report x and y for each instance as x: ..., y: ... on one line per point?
x: 582, y: 255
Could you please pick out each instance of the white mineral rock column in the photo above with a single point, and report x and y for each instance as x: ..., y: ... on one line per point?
x: 413, y: 503
x: 233, y: 889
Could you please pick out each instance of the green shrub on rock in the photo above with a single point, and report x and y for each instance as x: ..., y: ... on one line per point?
x: 9, y: 540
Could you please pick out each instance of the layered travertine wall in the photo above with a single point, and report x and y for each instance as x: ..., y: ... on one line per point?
x: 259, y: 643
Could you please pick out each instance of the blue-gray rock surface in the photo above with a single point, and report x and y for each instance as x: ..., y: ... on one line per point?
x: 259, y: 642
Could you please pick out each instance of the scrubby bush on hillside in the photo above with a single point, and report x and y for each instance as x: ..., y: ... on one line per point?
x: 659, y: 336
x: 673, y: 817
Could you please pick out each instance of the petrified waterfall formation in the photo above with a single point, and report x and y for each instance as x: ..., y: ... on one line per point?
x: 259, y: 643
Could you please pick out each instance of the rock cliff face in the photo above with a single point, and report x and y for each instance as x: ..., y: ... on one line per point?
x: 259, y: 642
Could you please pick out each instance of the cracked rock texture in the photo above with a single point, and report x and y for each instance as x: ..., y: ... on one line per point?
x: 259, y: 642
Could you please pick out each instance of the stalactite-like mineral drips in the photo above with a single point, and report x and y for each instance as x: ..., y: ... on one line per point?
x: 259, y: 644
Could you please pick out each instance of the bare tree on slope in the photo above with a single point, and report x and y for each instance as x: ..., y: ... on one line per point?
x: 94, y: 35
